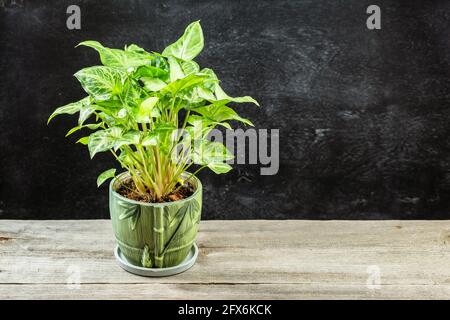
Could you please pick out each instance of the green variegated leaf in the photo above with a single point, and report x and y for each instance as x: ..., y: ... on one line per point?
x: 108, y: 174
x: 150, y: 139
x: 74, y: 129
x: 84, y: 141
x: 110, y: 118
x: 221, y: 113
x: 199, y: 129
x: 204, y: 93
x: 146, y: 110
x: 117, y: 58
x: 175, y: 69
x: 221, y: 96
x: 135, y: 48
x: 189, y: 45
x: 109, y: 105
x: 198, y: 96
x: 209, y: 153
x: 92, y: 126
x: 132, y: 95
x: 122, y: 113
x: 206, y: 123
x: 163, y: 129
x: 85, y: 113
x: 70, y: 108
x: 153, y: 84
x: 190, y: 67
x: 103, y: 140
x: 125, y: 158
x: 160, y: 61
x: 149, y: 103
x: 211, y: 85
x: 101, y: 82
x: 130, y: 138
x: 183, y: 84
x: 160, y: 135
x: 219, y: 167
x: 151, y: 72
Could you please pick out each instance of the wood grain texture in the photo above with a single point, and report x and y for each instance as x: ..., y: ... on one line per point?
x: 251, y: 259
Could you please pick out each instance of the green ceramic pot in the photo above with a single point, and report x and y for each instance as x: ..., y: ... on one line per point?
x: 155, y: 235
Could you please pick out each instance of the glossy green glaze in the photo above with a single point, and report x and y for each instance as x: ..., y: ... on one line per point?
x: 155, y: 235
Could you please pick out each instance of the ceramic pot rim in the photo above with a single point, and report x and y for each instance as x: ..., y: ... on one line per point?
x: 198, y: 186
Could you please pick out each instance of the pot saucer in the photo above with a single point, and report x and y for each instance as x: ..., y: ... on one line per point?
x: 157, y: 272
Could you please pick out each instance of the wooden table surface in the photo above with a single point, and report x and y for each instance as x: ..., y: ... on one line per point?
x: 250, y: 259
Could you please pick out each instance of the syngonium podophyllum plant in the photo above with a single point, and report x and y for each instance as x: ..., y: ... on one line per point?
x: 135, y: 103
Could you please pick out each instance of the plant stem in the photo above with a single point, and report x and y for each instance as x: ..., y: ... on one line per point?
x: 192, y: 175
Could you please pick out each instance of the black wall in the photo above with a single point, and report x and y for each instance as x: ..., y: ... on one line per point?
x: 363, y: 115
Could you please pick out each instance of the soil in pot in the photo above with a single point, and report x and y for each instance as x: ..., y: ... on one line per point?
x: 128, y: 189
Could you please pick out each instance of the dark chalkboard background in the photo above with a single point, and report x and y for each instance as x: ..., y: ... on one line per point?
x: 363, y: 115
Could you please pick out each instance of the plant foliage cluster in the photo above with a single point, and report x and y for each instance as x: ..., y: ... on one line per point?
x: 134, y: 107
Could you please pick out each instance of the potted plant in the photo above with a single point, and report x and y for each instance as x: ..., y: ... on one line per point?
x: 153, y: 112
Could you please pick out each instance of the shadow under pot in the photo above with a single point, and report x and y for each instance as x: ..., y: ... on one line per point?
x: 155, y: 235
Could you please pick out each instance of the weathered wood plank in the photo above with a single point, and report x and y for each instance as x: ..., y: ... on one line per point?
x: 238, y: 259
x: 141, y: 291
